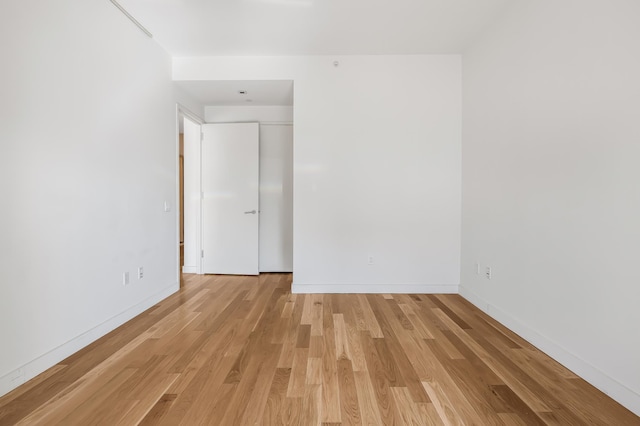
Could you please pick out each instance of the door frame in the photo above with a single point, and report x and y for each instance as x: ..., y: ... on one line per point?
x: 185, y: 112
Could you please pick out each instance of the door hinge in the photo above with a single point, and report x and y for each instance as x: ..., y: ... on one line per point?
x: 202, y: 254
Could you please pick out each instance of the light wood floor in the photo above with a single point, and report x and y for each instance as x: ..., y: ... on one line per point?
x: 244, y: 350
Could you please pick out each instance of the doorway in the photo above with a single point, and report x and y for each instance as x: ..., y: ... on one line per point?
x: 269, y: 103
x: 188, y: 192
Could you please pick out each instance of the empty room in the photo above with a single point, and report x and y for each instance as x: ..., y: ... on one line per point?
x: 320, y: 212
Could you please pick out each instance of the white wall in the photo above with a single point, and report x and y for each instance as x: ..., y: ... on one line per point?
x: 261, y: 114
x: 376, y: 166
x: 550, y: 183
x: 87, y: 160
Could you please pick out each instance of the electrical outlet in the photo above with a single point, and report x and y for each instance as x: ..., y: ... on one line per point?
x: 140, y: 272
x: 125, y: 278
x: 487, y: 272
x: 370, y: 260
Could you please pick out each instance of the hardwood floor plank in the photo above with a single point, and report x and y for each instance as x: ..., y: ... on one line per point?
x: 341, y: 339
x: 511, y: 419
x: 350, y: 409
x: 314, y: 371
x: 299, y: 374
x: 409, y: 411
x: 259, y: 337
x: 213, y: 350
x: 510, y: 376
x: 316, y: 347
x: 449, y: 394
x: 210, y: 326
x: 419, y: 327
x: 304, y: 336
x: 428, y: 414
x: 291, y: 336
x: 330, y: 391
x: 367, y: 399
x: 201, y: 393
x: 593, y: 405
x: 119, y: 410
x: 519, y: 407
x: 379, y: 382
x: 216, y: 408
x: 311, y: 411
x: 393, y: 328
x: 272, y: 413
x: 291, y: 413
x: 250, y: 396
x: 83, y: 412
x: 306, y: 318
x: 358, y: 360
x: 438, y: 377
x: 477, y: 322
x: 147, y: 399
x: 159, y: 409
x: 398, y: 313
x: 436, y: 326
x: 443, y: 406
x: 539, y: 372
x: 370, y: 320
x: 240, y: 350
x: 388, y: 364
x: 317, y: 314
x: 474, y: 383
x: 287, y: 312
x: 257, y: 401
x: 358, y: 315
x: 448, y: 312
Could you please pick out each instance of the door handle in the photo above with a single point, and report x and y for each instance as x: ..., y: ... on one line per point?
x: 250, y: 212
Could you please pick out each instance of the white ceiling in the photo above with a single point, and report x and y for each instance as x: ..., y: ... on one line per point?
x: 313, y: 27
x: 227, y: 93
x: 305, y: 27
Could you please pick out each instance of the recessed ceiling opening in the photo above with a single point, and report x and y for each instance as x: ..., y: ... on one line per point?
x: 239, y: 92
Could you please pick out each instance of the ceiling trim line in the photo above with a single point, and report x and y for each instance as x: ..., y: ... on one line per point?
x: 131, y: 18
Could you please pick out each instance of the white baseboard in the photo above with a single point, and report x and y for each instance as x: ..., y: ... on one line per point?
x: 374, y: 288
x: 610, y: 386
x: 189, y: 269
x: 21, y: 375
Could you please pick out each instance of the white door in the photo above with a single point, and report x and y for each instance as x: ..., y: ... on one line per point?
x: 230, y: 200
x: 191, y: 197
x: 276, y: 198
